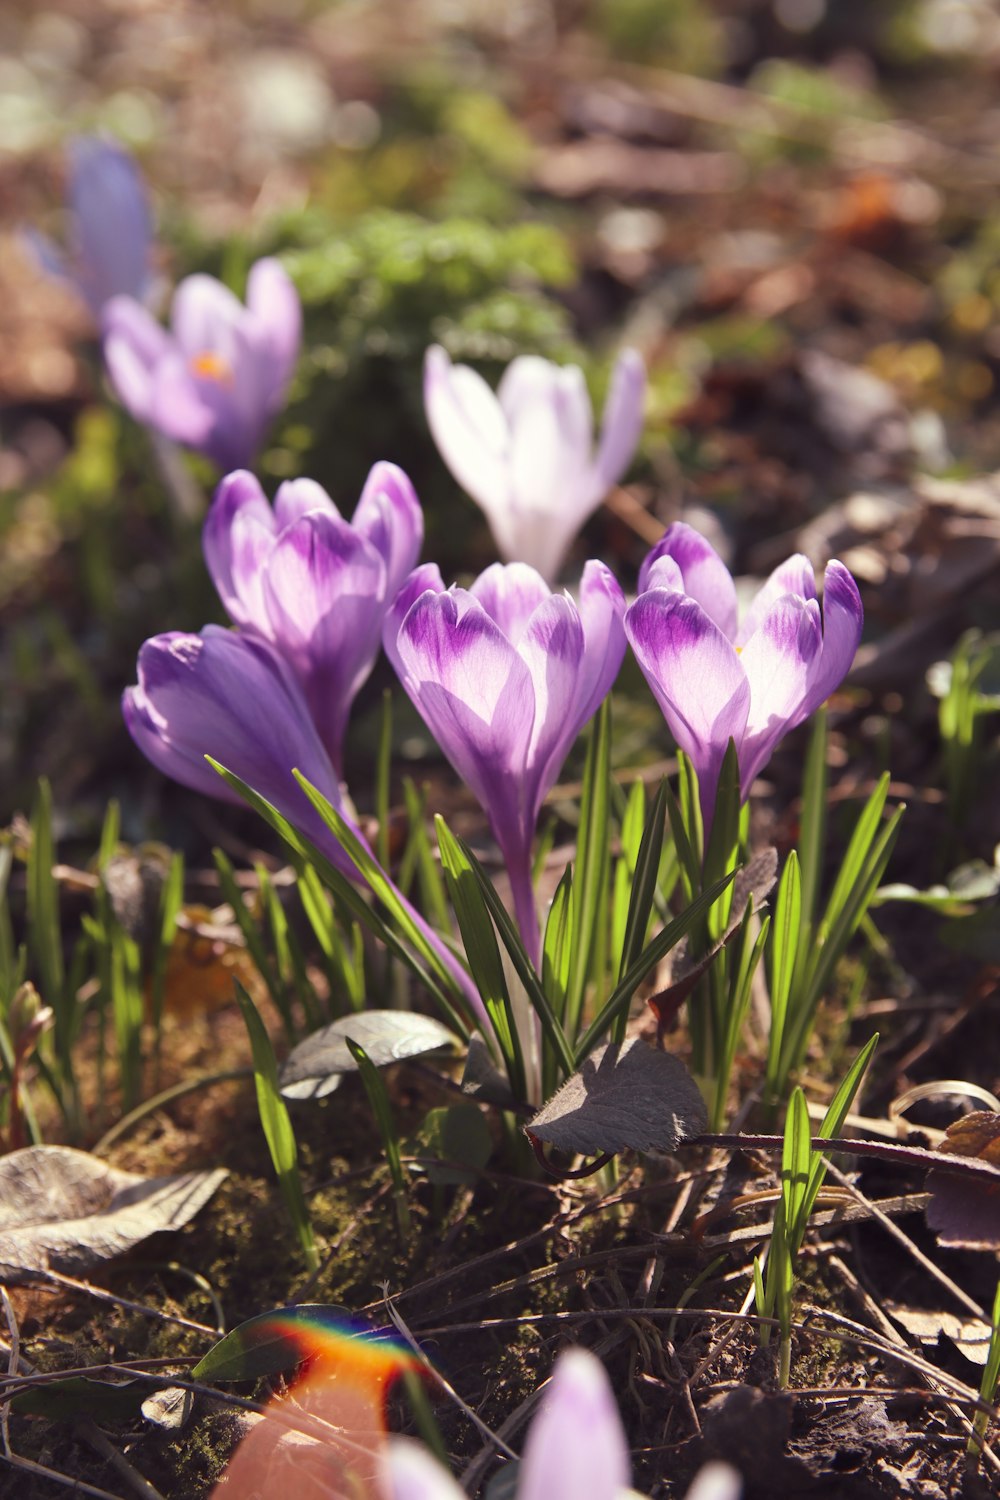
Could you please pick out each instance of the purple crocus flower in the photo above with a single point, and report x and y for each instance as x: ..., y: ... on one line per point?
x: 230, y: 695
x: 315, y: 585
x: 576, y: 1449
x: 715, y: 679
x: 526, y: 455
x: 215, y: 381
x: 505, y: 675
x: 111, y: 231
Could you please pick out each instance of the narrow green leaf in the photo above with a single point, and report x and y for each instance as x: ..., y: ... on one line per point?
x: 812, y: 823
x: 378, y: 1098
x: 383, y: 769
x: 171, y: 901
x: 723, y: 840
x: 481, y: 950
x: 269, y: 1343
x: 795, y: 1167
x: 433, y: 898
x: 644, y: 882
x: 785, y: 932
x: 523, y: 966
x: 837, y: 1112
x: 668, y: 938
x: 352, y: 900
x: 590, y: 873
x: 277, y: 1125
x: 44, y: 931
x: 252, y: 936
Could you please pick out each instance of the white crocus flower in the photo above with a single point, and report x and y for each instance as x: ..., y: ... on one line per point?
x: 526, y: 454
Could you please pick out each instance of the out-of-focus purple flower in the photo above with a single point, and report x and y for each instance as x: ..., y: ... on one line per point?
x: 505, y: 675
x: 716, y: 679
x: 526, y: 455
x: 111, y: 230
x: 576, y: 1449
x: 230, y: 695
x: 315, y: 585
x: 215, y: 381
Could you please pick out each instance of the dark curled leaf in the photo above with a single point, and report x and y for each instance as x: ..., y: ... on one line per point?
x: 64, y: 1210
x: 626, y: 1095
x: 755, y: 879
x: 270, y: 1342
x: 316, y: 1066
x: 483, y: 1080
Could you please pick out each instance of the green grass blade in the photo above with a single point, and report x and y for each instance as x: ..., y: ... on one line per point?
x: 277, y: 1125
x: 644, y: 881
x: 378, y: 1098
x: 419, y: 852
x: 590, y: 873
x: 785, y: 934
x: 44, y: 930
x: 796, y: 1158
x: 171, y: 901
x: 833, y: 1121
x: 523, y: 966
x: 812, y: 822
x: 668, y: 938
x: 481, y: 949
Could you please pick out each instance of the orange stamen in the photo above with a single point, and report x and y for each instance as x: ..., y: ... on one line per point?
x: 212, y: 366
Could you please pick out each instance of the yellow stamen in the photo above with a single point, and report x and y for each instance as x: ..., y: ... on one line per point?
x: 211, y: 366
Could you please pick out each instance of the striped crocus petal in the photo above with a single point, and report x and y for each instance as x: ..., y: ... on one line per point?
x: 237, y: 539
x: 297, y: 497
x: 389, y: 515
x: 324, y: 587
x: 475, y: 694
x: 843, y: 622
x: 696, y: 677
x: 510, y: 593
x: 469, y: 428
x: 273, y: 304
x: 794, y: 576
x: 706, y: 577
x: 576, y: 1448
x: 778, y: 660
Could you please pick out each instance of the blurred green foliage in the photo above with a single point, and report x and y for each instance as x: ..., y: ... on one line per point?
x: 679, y: 34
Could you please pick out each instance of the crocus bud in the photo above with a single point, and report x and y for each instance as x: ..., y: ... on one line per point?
x: 315, y: 585
x: 716, y: 679
x: 526, y: 455
x: 218, y: 377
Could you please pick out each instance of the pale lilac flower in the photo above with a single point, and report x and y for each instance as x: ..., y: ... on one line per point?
x: 505, y: 675
x: 526, y: 454
x: 218, y: 377
x: 229, y: 694
x: 576, y: 1449
x: 111, y: 231
x: 716, y: 679
x: 313, y: 584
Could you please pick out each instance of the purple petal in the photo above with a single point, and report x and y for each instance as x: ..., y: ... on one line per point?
x: 621, y: 425
x: 706, y: 577
x: 389, y: 515
x: 426, y: 578
x: 274, y: 303
x: 230, y: 696
x: 475, y: 694
x: 696, y: 678
x: 510, y: 593
x: 325, y: 591
x: 602, y: 610
x: 794, y: 576
x: 178, y: 409
x: 112, y: 229
x: 297, y: 497
x: 237, y: 539
x: 469, y: 429
x: 843, y: 622
x: 134, y: 344
x: 410, y: 1473
x: 552, y: 649
x: 576, y: 1448
x: 204, y: 317
x: 778, y: 661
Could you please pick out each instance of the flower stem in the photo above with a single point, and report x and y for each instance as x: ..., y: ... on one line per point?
x: 525, y: 909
